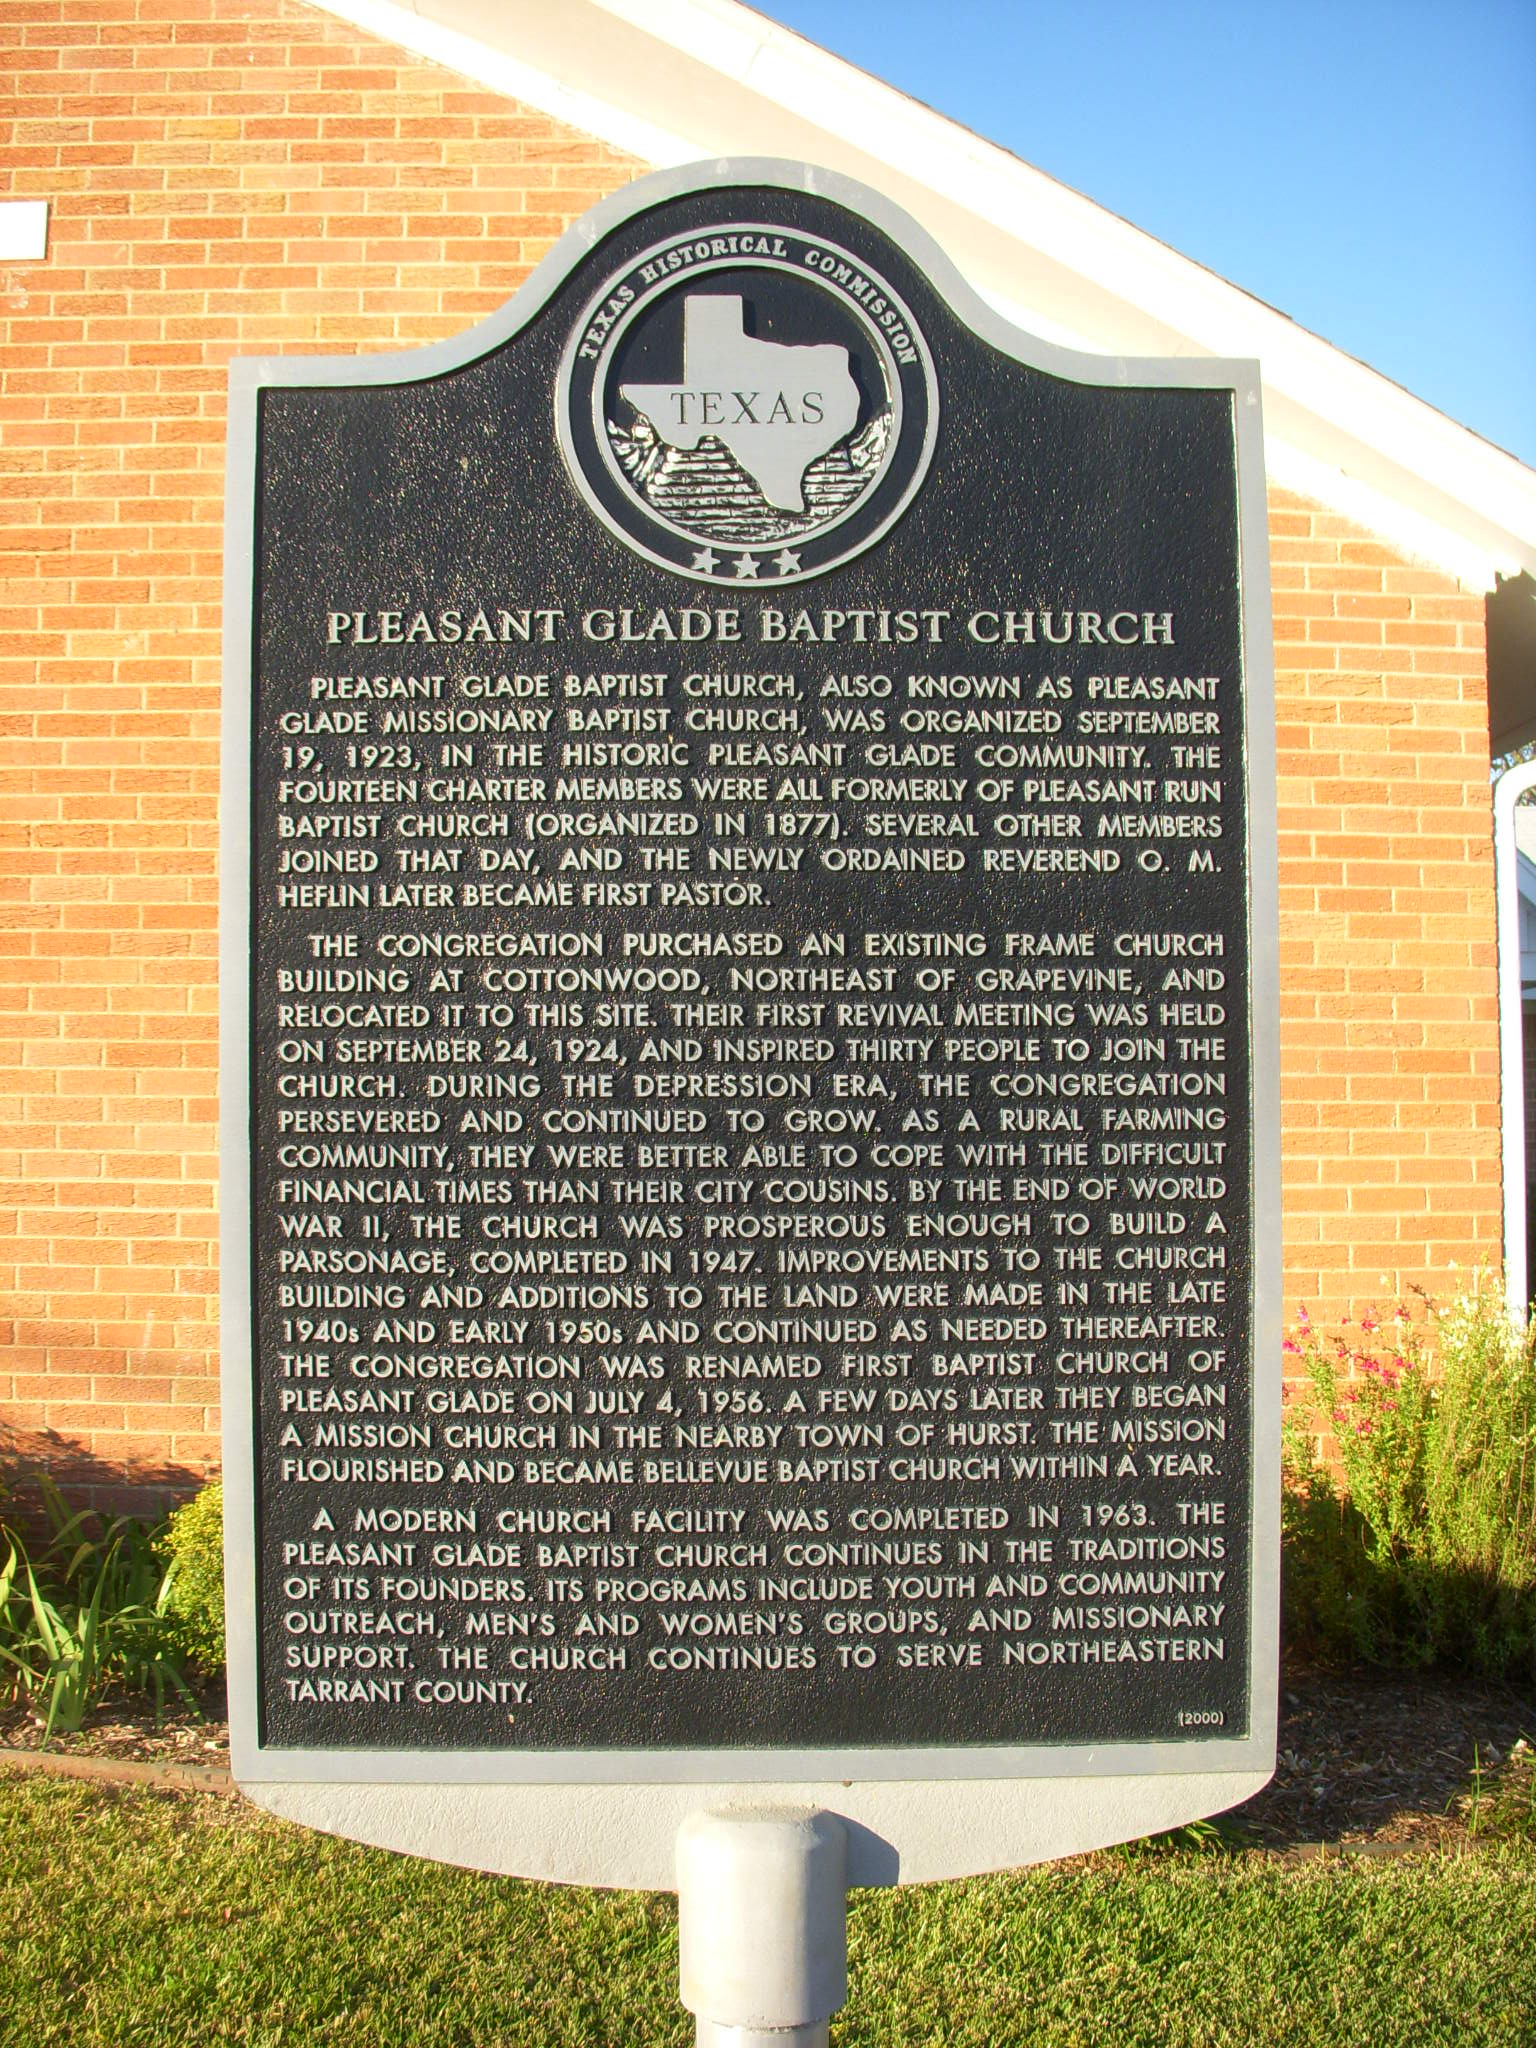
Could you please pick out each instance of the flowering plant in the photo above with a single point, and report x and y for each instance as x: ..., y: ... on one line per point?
x: 1410, y: 1469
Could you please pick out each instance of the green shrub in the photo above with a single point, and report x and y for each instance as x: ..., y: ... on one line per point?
x: 1420, y: 1548
x: 89, y: 1614
x: 193, y: 1541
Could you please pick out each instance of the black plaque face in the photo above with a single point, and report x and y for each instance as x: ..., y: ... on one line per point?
x: 751, y: 1114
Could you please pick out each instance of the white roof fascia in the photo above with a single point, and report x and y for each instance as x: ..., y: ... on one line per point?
x: 434, y: 37
x: 673, y: 81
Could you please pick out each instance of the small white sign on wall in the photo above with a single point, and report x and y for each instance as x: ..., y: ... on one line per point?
x: 23, y: 230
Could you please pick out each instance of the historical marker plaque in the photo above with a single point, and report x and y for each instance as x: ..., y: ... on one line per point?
x: 757, y: 1052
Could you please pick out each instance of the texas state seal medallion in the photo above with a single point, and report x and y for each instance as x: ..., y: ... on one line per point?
x: 749, y: 405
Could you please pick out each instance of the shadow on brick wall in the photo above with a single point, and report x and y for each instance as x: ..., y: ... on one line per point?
x: 113, y: 1487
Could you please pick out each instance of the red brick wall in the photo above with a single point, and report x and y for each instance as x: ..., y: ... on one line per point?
x: 1389, y: 1004
x: 229, y: 177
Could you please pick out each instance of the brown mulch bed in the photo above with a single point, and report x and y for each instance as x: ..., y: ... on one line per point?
x: 125, y: 1731
x: 1374, y: 1765
x: 1393, y: 1762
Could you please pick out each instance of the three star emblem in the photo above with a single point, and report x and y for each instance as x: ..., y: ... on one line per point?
x: 786, y: 563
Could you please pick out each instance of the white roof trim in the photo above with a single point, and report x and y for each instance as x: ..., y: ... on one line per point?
x: 671, y: 81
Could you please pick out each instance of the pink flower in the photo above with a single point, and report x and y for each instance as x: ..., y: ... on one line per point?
x: 1294, y: 1349
x: 1370, y: 1321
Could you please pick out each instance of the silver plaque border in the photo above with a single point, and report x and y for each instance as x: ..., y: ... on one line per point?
x: 951, y: 1788
x: 632, y: 541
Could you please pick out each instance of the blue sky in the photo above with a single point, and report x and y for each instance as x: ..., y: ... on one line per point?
x: 1370, y: 169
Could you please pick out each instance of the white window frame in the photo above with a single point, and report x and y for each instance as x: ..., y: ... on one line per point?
x: 1507, y: 792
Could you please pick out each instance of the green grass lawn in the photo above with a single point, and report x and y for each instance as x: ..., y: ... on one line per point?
x: 129, y: 1919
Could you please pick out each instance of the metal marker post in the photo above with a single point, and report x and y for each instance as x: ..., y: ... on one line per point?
x: 763, y: 1925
